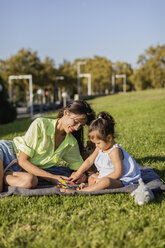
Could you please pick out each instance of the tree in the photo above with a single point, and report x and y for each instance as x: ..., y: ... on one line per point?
x: 101, y: 72
x: 28, y: 62
x: 24, y: 62
x: 69, y: 84
x: 100, y: 69
x: 151, y: 73
x: 48, y: 72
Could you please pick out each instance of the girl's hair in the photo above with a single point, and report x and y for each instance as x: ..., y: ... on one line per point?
x: 79, y: 107
x: 104, y: 125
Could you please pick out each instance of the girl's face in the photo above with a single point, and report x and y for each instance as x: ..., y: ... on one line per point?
x: 101, y: 144
x: 73, y: 122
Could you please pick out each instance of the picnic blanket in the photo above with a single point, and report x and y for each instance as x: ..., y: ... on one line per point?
x: 150, y: 178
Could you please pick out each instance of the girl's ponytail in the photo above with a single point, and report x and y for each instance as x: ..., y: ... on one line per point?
x: 104, y: 125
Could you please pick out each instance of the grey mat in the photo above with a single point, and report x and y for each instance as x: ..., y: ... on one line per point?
x: 150, y: 178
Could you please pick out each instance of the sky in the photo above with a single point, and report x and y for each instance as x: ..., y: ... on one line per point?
x: 119, y: 30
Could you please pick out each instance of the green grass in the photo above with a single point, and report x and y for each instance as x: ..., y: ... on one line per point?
x: 112, y: 220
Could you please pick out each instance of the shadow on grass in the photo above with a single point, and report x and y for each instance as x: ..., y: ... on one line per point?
x: 153, y: 159
x: 159, y: 197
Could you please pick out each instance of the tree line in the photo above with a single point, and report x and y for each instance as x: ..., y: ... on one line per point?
x: 150, y: 72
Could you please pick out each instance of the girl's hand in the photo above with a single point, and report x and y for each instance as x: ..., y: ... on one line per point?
x: 75, y: 177
x: 82, y: 179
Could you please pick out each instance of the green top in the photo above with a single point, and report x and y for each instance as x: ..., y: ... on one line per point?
x: 38, y: 144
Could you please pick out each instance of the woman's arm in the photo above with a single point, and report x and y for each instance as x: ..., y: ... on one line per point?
x: 23, y: 161
x: 116, y: 156
x: 85, y: 165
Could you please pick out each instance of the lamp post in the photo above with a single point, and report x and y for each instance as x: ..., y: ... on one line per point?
x: 40, y: 92
x: 64, y: 96
x: 78, y: 75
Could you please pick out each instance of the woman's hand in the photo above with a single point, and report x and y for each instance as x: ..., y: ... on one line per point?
x: 67, y: 180
x: 55, y: 179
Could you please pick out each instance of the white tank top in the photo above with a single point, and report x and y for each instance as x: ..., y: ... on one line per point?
x: 103, y: 163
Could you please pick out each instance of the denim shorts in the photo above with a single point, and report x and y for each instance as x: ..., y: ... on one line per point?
x: 8, y: 154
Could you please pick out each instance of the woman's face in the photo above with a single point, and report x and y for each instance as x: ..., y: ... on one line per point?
x: 73, y: 122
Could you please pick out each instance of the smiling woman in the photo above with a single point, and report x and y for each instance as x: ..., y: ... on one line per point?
x: 47, y: 141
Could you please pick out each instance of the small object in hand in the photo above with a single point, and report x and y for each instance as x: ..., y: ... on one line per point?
x: 80, y: 186
x: 62, y: 181
x: 62, y: 184
x: 58, y: 186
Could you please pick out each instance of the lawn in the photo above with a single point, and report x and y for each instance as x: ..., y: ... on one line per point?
x: 112, y: 220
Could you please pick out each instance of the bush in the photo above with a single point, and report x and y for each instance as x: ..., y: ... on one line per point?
x: 8, y: 112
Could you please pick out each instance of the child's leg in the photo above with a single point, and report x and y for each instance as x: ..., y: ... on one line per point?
x: 104, y: 183
x: 92, y: 179
x: 20, y: 179
x: 1, y: 175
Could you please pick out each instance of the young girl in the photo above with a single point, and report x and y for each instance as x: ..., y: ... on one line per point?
x: 116, y: 168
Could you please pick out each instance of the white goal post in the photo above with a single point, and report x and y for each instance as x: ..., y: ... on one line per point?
x: 88, y: 75
x: 124, y: 82
x: 29, y: 77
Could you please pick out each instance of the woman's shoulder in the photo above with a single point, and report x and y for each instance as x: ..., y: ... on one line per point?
x: 71, y: 139
x: 44, y: 121
x: 44, y: 125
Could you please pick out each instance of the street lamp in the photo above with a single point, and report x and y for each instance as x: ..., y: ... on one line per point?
x: 64, y: 96
x: 40, y: 92
x: 78, y: 75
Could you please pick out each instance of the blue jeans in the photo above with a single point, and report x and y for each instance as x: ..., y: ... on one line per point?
x: 59, y: 170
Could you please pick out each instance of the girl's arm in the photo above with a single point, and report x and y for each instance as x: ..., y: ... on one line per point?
x: 23, y: 161
x: 116, y: 156
x: 85, y: 165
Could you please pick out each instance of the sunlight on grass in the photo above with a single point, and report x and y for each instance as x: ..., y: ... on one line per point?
x: 112, y: 220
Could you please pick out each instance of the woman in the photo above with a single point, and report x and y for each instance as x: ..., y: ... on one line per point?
x: 48, y: 141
